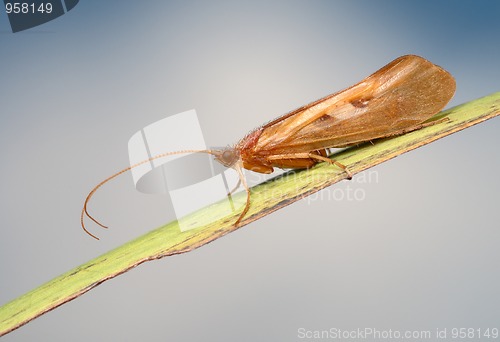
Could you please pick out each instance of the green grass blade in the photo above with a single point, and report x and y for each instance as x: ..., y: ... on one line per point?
x: 266, y: 198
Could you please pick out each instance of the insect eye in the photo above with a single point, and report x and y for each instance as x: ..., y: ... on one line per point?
x: 227, y: 155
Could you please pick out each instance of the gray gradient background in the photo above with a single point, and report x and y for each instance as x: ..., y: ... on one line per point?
x: 420, y: 252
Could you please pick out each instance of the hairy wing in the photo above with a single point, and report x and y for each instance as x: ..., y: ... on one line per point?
x: 401, y: 95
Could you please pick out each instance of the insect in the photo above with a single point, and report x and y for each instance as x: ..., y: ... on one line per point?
x: 396, y: 99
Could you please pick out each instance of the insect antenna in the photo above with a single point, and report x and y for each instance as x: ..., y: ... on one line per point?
x: 91, y: 193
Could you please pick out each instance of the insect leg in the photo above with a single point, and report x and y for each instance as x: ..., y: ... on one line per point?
x: 238, y: 169
x: 234, y: 189
x: 310, y: 155
x: 331, y: 161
